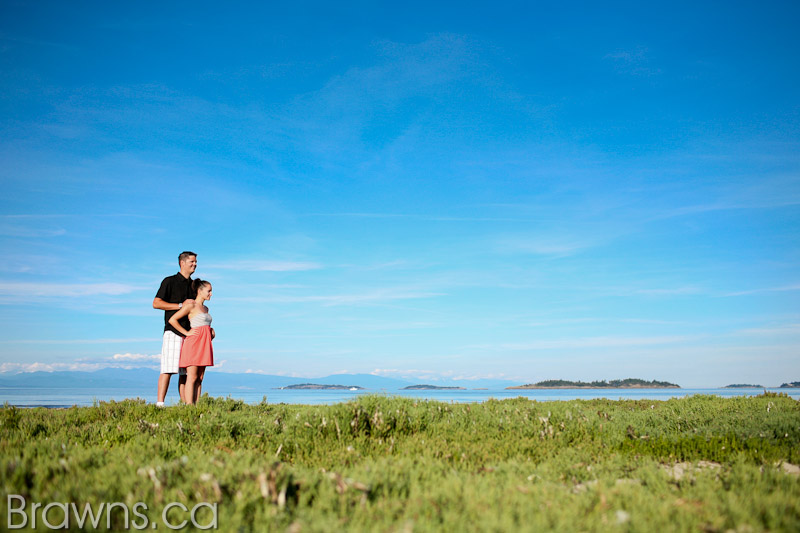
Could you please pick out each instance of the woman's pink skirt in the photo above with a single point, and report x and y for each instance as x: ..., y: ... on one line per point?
x: 196, y: 349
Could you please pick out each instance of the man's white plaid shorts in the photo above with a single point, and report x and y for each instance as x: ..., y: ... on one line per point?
x: 171, y: 353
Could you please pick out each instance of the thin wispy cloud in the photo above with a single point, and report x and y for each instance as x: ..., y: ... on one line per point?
x: 788, y: 329
x: 589, y: 342
x: 138, y: 357
x: 784, y: 288
x: 433, y: 375
x: 634, y: 62
x: 421, y: 217
x: 724, y: 206
x: 36, y: 42
x: 755, y: 190
x: 333, y: 123
x: 79, y: 341
x: 676, y: 291
x: 367, y: 297
x: 46, y: 216
x: 652, y: 321
x: 265, y: 266
x: 553, y: 247
x: 412, y: 373
x: 274, y: 373
x: 16, y: 368
x: 19, y: 289
x: 9, y: 230
x: 119, y: 361
x: 402, y: 70
x: 359, y: 325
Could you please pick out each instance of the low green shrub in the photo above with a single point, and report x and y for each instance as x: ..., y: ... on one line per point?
x: 382, y: 463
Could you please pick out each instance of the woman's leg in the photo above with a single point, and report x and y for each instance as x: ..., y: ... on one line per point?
x: 198, y: 384
x: 200, y: 374
x: 189, y: 388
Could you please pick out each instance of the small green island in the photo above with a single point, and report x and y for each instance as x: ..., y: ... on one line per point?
x: 743, y: 386
x: 792, y: 385
x: 319, y: 386
x: 630, y: 383
x: 431, y: 387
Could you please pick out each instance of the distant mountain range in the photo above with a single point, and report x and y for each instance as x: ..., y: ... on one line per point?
x: 322, y: 386
x: 223, y: 381
x: 430, y: 387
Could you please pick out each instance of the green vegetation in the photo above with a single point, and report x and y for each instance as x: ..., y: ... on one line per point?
x: 380, y: 463
x: 613, y: 384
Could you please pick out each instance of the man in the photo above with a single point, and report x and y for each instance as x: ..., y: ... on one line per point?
x: 174, y: 291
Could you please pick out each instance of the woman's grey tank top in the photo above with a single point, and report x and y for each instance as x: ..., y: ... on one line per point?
x: 200, y: 319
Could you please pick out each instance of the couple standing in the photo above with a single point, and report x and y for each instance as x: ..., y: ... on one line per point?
x: 186, y: 349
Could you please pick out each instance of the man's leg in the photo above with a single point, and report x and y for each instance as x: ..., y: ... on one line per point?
x: 182, y: 383
x: 170, y: 359
x: 163, y: 386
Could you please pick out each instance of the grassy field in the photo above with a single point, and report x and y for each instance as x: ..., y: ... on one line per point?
x: 702, y: 463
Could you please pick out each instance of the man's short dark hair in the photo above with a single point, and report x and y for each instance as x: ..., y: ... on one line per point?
x: 184, y: 256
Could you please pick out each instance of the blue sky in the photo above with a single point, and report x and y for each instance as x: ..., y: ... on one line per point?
x: 507, y: 190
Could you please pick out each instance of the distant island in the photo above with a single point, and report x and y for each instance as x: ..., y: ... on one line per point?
x: 317, y: 386
x: 792, y: 385
x: 431, y: 387
x: 629, y: 383
x: 743, y: 386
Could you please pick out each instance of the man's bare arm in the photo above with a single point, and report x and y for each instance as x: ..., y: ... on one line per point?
x: 158, y: 303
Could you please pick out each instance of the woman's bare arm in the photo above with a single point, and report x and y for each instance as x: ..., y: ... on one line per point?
x: 182, y: 312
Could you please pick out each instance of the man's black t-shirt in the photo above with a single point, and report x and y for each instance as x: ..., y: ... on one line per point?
x: 174, y: 290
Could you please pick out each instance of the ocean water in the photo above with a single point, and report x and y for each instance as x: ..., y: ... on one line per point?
x: 67, y: 397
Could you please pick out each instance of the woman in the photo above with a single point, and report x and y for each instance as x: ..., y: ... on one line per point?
x: 196, y: 351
